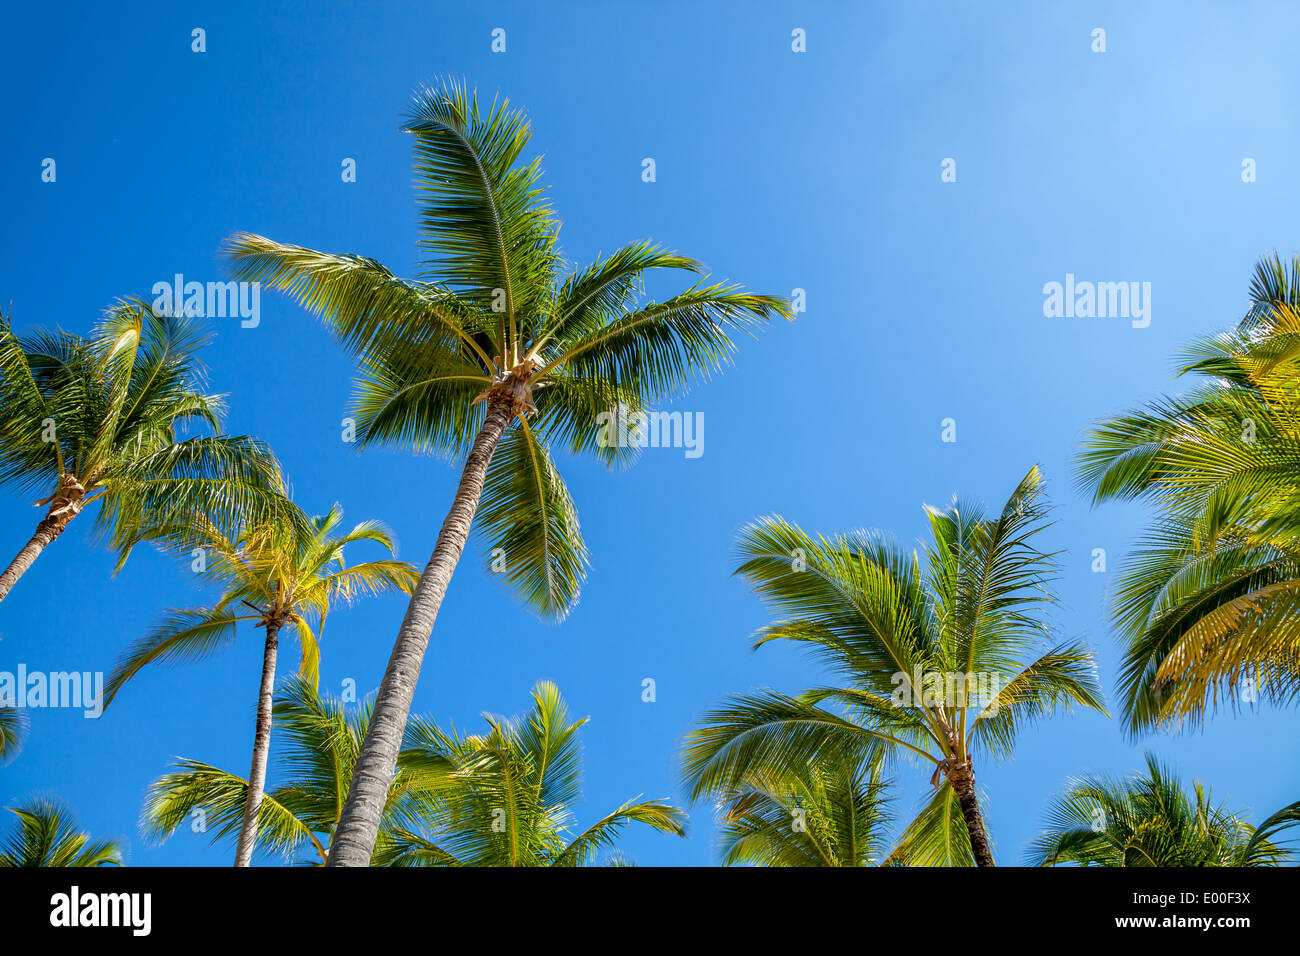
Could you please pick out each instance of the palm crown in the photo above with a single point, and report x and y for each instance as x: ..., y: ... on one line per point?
x: 281, y: 574
x: 494, y: 322
x: 935, y: 660
x: 46, y: 835
x: 1207, y: 605
x: 1150, y: 820
x: 835, y: 812
x: 510, y: 795
x: 95, y: 420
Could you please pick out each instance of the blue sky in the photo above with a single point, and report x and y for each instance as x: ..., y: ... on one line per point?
x: 781, y: 170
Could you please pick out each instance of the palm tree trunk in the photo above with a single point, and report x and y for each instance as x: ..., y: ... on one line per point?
x: 51, y: 527
x: 962, y: 778
x: 261, y: 748
x: 358, y: 828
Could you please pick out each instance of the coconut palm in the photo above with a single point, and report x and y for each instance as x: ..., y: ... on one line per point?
x: 493, y: 357
x: 280, y: 575
x: 835, y: 812
x: 12, y: 727
x: 47, y: 835
x: 94, y: 421
x: 935, y: 660
x: 1207, y: 606
x: 320, y: 737
x: 1151, y: 820
x: 511, y: 798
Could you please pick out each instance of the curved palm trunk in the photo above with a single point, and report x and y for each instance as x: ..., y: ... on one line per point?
x: 51, y: 527
x: 962, y: 779
x: 354, y: 839
x: 261, y: 748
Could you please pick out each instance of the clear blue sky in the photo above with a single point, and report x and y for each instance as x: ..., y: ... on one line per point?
x: 818, y: 171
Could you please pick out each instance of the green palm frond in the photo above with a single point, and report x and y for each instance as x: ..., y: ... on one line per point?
x: 830, y: 813
x: 772, y: 735
x: 486, y: 228
x: 47, y: 835
x: 531, y: 526
x: 664, y: 347
x: 1067, y: 674
x: 1264, y: 847
x: 507, y: 800
x: 211, y: 801
x: 284, y: 573
x: 604, y: 833
x: 1150, y: 820
x: 1206, y: 604
x: 13, y: 726
x: 937, y: 836
x: 179, y: 635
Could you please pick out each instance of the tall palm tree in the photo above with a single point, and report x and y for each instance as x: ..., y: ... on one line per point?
x: 12, y: 727
x: 511, y: 796
x: 320, y: 737
x: 281, y: 575
x: 1150, y: 820
x: 1206, y: 607
x: 935, y: 660
x: 47, y: 835
x: 95, y: 420
x: 835, y: 812
x: 493, y: 356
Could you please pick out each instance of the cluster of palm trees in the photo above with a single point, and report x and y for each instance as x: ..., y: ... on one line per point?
x: 937, y: 658
x: 499, y: 353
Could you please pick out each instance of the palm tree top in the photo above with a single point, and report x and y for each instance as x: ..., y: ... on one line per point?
x: 498, y: 320
x: 510, y: 795
x: 99, y: 418
x: 936, y: 656
x: 1151, y: 820
x: 46, y: 835
x: 1203, y: 605
x: 287, y: 572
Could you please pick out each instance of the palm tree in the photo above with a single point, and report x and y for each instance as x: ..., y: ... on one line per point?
x: 935, y: 660
x: 492, y: 356
x: 95, y: 420
x: 320, y: 739
x: 1207, y: 606
x: 47, y: 835
x: 511, y: 794
x: 1152, y: 821
x: 284, y: 574
x: 834, y: 812
x: 12, y: 727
